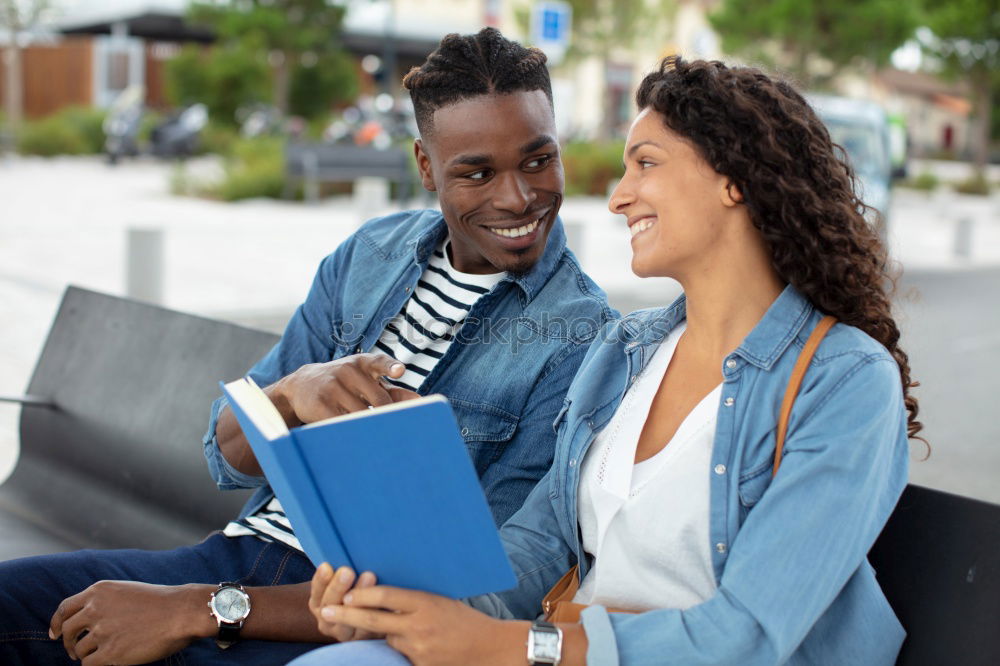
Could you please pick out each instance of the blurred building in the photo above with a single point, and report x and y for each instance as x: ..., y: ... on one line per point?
x: 89, y: 57
x: 89, y: 62
x: 937, y: 112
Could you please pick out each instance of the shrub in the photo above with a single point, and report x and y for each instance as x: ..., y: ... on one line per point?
x: 255, y: 168
x: 925, y: 181
x: 72, y: 131
x: 217, y: 139
x: 975, y: 184
x: 591, y: 166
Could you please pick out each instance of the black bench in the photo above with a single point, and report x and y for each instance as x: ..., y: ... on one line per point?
x: 938, y: 562
x: 111, y: 429
x: 111, y: 457
x: 309, y: 164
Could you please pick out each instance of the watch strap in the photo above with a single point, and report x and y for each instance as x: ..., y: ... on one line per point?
x: 228, y: 635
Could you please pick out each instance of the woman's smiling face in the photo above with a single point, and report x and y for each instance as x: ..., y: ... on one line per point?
x: 674, y: 201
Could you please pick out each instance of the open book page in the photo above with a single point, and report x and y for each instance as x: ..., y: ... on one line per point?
x: 258, y: 408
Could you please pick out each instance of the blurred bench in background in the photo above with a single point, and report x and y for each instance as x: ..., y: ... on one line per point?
x: 311, y: 164
x: 111, y: 429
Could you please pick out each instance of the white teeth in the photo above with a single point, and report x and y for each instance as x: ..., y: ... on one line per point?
x: 517, y: 232
x: 641, y: 226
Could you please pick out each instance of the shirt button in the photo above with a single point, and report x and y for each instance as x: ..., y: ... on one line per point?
x: 729, y: 402
x: 407, y: 290
x: 731, y: 363
x: 358, y: 350
x: 721, y: 547
x: 633, y: 378
x: 720, y: 469
x: 465, y: 431
x: 572, y: 463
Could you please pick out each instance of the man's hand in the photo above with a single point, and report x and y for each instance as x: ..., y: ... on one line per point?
x: 121, y: 622
x: 328, y: 589
x: 315, y: 392
x: 319, y: 391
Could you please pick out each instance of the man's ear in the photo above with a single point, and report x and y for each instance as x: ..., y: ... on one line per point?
x: 424, y: 165
x: 731, y: 195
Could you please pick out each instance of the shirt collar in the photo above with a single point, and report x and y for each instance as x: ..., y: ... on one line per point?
x: 530, y: 283
x: 775, y: 331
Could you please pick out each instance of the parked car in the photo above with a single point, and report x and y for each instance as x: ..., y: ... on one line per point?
x: 862, y: 129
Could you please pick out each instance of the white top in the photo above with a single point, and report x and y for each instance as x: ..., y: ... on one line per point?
x: 417, y: 337
x: 646, y: 524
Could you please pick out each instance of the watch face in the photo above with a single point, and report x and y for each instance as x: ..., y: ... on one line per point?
x: 546, y: 644
x: 231, y: 605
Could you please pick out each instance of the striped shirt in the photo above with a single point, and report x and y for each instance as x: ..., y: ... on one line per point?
x: 418, y: 337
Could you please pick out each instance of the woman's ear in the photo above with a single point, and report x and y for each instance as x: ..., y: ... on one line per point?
x: 731, y: 196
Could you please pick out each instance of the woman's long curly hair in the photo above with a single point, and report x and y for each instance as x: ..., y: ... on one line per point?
x: 800, y: 194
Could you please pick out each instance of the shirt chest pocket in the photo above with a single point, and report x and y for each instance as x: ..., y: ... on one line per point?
x: 485, y: 428
x: 752, y: 487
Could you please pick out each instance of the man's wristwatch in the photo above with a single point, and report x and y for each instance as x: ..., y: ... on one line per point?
x: 230, y: 606
x: 544, y: 643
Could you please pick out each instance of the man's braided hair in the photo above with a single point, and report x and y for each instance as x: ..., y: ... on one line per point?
x: 465, y: 66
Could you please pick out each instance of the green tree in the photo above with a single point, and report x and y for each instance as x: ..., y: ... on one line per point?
x: 318, y: 85
x: 224, y: 78
x: 966, y: 41
x: 293, y: 34
x: 787, y: 33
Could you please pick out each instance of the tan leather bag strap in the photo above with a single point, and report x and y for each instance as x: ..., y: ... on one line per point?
x: 798, y: 372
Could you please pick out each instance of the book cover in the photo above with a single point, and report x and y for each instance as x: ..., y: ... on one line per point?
x: 390, y: 490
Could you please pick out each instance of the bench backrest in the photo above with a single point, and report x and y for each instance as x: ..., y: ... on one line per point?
x: 119, y: 461
x: 938, y: 562
x: 344, y: 162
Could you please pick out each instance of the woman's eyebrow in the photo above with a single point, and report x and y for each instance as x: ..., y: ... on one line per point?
x: 636, y: 146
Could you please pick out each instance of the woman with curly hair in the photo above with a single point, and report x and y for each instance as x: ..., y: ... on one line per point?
x: 699, y: 525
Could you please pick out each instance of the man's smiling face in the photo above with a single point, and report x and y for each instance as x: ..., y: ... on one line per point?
x: 494, y: 162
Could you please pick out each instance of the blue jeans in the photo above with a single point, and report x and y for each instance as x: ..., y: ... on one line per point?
x: 31, y: 589
x: 355, y: 653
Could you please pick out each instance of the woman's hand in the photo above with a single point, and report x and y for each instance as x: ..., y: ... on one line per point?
x: 430, y: 629
x: 328, y: 589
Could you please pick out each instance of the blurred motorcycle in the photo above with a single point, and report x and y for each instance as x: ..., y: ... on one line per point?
x: 121, y: 125
x: 178, y: 135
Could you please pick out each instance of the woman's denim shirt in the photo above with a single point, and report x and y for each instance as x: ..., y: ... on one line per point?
x: 505, y: 374
x: 789, y: 554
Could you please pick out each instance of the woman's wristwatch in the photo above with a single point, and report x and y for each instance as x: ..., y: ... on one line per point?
x: 230, y: 606
x: 544, y: 643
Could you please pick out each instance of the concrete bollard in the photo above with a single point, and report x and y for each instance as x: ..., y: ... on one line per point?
x: 371, y: 197
x: 963, y: 238
x: 144, y: 264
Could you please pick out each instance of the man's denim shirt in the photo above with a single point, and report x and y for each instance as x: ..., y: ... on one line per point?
x: 505, y: 374
x: 789, y: 555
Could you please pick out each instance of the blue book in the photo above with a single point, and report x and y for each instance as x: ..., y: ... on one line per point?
x: 390, y: 490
